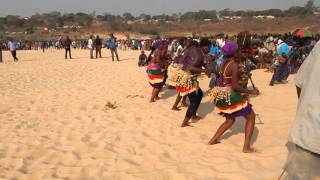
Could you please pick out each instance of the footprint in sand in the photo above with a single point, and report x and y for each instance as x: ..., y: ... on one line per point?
x: 86, y: 138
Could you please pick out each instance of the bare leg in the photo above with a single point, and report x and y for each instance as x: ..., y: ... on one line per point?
x: 175, y: 105
x: 185, y: 122
x: 222, y: 129
x: 248, y: 133
x: 184, y: 102
x: 154, y: 96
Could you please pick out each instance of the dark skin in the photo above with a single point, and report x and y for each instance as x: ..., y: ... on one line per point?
x: 158, y: 59
x: 197, y: 55
x: 176, y: 103
x: 233, y: 71
x: 178, y: 99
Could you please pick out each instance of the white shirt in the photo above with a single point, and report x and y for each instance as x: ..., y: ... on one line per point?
x: 305, y: 131
x: 12, y: 45
x: 90, y: 43
x: 179, y: 50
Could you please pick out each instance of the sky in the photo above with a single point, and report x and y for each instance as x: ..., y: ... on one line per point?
x: 136, y: 7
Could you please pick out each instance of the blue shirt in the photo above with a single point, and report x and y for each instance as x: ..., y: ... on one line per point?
x: 283, y: 49
x: 214, y: 50
x: 112, y: 43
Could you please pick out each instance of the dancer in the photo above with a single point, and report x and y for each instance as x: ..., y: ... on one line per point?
x: 173, y: 69
x: 193, y: 62
x: 229, y: 97
x: 155, y: 69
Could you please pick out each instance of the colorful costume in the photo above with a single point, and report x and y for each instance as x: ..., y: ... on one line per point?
x: 155, y: 75
x: 229, y: 103
x: 184, y: 81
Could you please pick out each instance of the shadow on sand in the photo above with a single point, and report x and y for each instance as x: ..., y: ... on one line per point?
x: 238, y: 127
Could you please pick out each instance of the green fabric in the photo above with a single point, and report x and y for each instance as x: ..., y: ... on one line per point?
x: 235, y: 98
x: 155, y: 72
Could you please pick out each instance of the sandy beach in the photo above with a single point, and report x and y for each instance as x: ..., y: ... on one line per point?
x: 90, y: 119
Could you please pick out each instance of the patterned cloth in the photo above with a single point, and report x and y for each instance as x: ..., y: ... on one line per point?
x: 229, y: 103
x: 184, y: 81
x: 155, y: 76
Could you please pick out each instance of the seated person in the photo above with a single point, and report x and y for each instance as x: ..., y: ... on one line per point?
x: 142, y: 59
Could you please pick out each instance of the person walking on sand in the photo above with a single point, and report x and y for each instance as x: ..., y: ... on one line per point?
x: 90, y: 46
x: 98, y: 46
x: 67, y: 47
x: 113, y: 46
x: 230, y: 98
x: 13, y: 49
x: 303, y: 160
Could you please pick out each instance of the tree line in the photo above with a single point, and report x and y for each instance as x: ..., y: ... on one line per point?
x: 118, y: 22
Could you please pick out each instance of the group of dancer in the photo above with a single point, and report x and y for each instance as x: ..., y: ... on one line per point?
x: 229, y: 94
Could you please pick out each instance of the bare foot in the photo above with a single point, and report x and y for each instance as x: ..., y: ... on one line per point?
x: 213, y: 142
x: 249, y: 150
x: 185, y: 125
x: 196, y: 118
x: 152, y: 101
x: 175, y: 109
x: 184, y: 105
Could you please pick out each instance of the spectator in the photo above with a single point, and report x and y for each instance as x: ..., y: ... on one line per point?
x: 90, y: 46
x: 13, y: 49
x: 67, y: 47
x: 98, y: 46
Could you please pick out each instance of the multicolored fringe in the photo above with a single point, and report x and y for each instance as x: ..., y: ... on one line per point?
x: 185, y: 90
x: 156, y: 78
x: 184, y: 81
x: 233, y: 106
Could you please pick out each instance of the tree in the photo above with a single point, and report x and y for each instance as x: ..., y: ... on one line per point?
x: 145, y: 17
x: 30, y: 30
x: 128, y: 16
x: 310, y: 6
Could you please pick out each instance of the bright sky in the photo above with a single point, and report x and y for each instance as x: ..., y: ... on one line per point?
x: 136, y: 7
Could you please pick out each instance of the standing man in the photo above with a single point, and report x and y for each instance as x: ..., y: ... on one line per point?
x: 43, y: 46
x: 90, y: 46
x: 67, y: 47
x: 13, y: 49
x: 98, y: 46
x: 0, y: 52
x: 113, y: 46
x: 304, y: 144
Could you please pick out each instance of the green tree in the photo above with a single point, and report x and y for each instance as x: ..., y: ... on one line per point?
x: 128, y: 16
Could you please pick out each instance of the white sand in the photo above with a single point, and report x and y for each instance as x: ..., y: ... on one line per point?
x: 54, y: 124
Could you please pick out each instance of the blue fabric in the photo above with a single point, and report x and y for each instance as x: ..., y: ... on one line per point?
x: 214, y: 50
x: 283, y: 49
x: 220, y: 60
x: 112, y: 43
